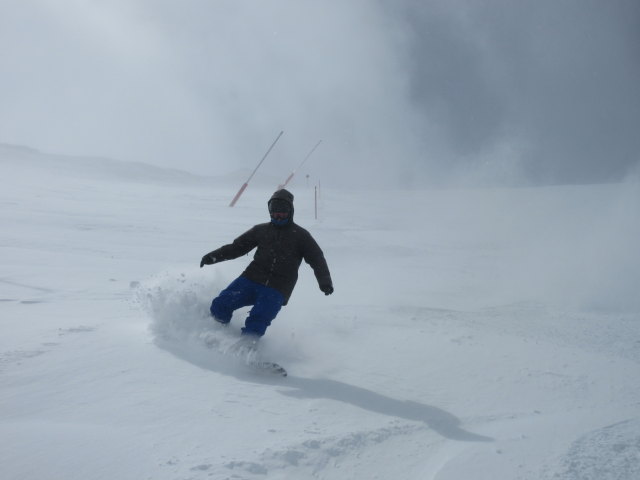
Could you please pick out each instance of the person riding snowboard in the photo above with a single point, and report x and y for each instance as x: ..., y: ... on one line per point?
x: 268, y: 281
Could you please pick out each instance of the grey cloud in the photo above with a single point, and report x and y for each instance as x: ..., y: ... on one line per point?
x: 562, y: 79
x: 399, y: 91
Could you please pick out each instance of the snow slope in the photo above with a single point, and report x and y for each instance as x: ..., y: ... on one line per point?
x: 485, y: 334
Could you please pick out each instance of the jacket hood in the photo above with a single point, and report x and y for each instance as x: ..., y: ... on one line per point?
x: 286, y: 196
x: 283, y: 194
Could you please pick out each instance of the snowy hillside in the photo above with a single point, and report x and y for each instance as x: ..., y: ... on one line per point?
x: 473, y: 334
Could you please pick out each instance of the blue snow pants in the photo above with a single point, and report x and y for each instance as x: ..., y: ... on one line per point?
x: 243, y: 292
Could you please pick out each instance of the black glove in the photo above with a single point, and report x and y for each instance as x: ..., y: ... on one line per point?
x: 207, y: 260
x: 327, y: 289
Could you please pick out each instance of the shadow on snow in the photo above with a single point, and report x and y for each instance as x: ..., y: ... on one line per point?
x: 439, y: 420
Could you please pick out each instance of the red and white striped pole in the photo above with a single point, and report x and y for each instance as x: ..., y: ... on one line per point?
x: 246, y: 184
x: 299, y: 166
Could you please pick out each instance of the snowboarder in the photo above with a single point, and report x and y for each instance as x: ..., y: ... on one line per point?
x: 268, y: 281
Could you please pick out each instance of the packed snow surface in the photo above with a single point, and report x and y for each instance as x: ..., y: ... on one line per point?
x: 473, y: 333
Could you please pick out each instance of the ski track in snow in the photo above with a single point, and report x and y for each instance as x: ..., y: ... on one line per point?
x: 17, y: 357
x: 312, y: 458
x: 612, y: 452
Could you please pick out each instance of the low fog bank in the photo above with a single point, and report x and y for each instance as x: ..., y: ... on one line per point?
x: 572, y: 247
x: 37, y: 166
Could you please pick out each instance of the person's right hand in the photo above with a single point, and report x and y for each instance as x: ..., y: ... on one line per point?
x: 207, y: 260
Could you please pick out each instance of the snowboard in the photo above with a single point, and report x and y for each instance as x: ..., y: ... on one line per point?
x: 270, y: 367
x: 246, y: 349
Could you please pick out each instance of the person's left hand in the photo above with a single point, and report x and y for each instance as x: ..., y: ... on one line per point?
x: 327, y: 289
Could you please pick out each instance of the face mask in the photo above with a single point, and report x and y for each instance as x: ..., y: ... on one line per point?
x: 279, y: 218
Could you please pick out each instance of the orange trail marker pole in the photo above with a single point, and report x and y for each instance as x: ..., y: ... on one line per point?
x: 299, y: 166
x: 246, y: 184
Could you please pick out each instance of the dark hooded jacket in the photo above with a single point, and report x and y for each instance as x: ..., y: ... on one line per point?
x: 280, y: 251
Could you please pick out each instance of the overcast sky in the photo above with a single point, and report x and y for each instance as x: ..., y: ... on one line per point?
x: 405, y: 90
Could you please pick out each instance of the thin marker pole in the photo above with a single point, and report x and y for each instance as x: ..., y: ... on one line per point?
x: 299, y: 166
x: 246, y: 184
